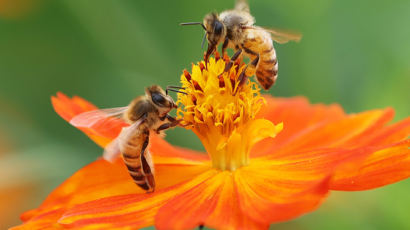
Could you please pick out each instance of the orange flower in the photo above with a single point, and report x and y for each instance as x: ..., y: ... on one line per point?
x: 254, y: 174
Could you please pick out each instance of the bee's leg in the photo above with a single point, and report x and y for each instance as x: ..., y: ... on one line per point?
x: 200, y: 227
x: 233, y: 59
x: 146, y: 164
x: 224, y: 46
x: 170, y: 118
x: 172, y: 123
x: 248, y: 71
x: 146, y: 141
x: 211, y: 49
x: 164, y: 127
x: 251, y: 70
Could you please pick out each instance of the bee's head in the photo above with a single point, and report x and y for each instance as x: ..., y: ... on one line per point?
x: 163, y: 102
x: 215, y: 29
x: 215, y: 32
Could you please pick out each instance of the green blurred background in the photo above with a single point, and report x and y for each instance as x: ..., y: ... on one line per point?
x: 356, y: 53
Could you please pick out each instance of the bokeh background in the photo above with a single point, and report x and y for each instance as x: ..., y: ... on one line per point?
x: 356, y: 53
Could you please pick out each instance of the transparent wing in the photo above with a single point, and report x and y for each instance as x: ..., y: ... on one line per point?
x: 242, y: 5
x: 88, y: 119
x: 129, y: 132
x: 282, y: 36
x: 113, y: 149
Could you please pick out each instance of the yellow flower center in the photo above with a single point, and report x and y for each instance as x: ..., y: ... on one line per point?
x: 222, y: 110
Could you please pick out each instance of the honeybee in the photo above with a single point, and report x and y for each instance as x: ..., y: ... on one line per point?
x: 235, y: 29
x: 145, y: 114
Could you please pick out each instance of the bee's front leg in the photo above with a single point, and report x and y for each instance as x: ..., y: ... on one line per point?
x: 172, y: 122
x: 233, y: 59
x: 224, y: 46
x: 211, y: 50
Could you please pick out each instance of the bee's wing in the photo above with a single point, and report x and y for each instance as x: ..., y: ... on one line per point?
x: 281, y: 36
x: 242, y: 5
x: 90, y: 118
x: 113, y: 149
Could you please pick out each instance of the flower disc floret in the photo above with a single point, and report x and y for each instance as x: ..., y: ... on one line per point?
x: 221, y: 110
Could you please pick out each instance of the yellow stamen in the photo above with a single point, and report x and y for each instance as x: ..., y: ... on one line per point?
x: 222, y: 112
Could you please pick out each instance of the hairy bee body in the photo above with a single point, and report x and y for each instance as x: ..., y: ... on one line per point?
x: 144, y: 114
x: 259, y: 41
x: 255, y: 41
x: 234, y: 21
x: 137, y: 159
x: 235, y: 29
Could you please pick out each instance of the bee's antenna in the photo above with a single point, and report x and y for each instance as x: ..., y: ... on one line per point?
x: 192, y: 23
x: 173, y: 88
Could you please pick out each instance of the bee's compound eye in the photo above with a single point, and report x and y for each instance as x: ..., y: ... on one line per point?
x: 158, y: 99
x: 218, y: 27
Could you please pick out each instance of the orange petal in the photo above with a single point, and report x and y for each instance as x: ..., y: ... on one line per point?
x: 317, y: 126
x: 102, y: 132
x: 297, y: 115
x: 68, y: 108
x: 213, y: 203
x: 270, y: 195
x: 350, y: 132
x: 352, y: 169
x: 102, y: 179
x: 382, y: 167
x: 363, y: 143
x: 47, y: 220
x: 251, y: 197
x: 134, y: 210
x: 389, y: 134
x: 96, y: 180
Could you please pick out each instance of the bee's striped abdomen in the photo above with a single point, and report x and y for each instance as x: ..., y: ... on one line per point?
x: 137, y: 159
x: 267, y: 70
x: 260, y: 42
